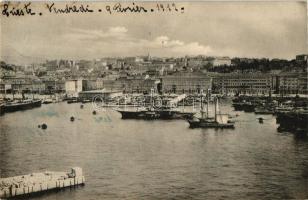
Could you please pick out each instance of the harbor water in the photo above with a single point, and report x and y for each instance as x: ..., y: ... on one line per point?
x: 160, y: 159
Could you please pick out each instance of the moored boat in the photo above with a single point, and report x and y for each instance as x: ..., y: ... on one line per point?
x: 132, y: 114
x: 21, y: 105
x: 209, y: 123
x: 263, y: 110
x: 165, y: 110
x: 47, y: 101
x: 218, y: 121
x: 1, y: 109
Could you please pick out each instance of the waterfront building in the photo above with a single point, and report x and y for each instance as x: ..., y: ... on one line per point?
x: 17, y: 84
x: 75, y: 86
x: 188, y: 83
x: 99, y: 83
x: 90, y: 84
x: 52, y: 84
x: 260, y: 83
x: 291, y: 83
x: 113, y: 85
x: 239, y: 83
x: 140, y: 84
x: 38, y: 86
x: 130, y: 84
x: 303, y: 84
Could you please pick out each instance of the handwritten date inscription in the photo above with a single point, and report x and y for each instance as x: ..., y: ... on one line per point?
x: 23, y: 9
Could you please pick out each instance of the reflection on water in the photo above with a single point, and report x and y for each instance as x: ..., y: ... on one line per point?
x: 136, y: 159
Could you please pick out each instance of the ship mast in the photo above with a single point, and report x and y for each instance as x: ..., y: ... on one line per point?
x: 207, y: 103
x: 202, y: 109
x: 215, y: 108
x: 152, y: 103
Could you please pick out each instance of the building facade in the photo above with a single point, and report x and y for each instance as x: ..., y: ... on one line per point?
x: 235, y: 83
x: 73, y: 87
x: 130, y: 84
x: 292, y: 83
x: 187, y: 83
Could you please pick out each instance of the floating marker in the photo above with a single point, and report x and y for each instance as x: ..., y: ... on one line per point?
x: 72, y: 119
x: 260, y: 120
x: 44, y: 126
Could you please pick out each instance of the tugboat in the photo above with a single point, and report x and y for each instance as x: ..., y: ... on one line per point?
x: 218, y: 121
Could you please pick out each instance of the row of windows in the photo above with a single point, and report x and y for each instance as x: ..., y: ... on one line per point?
x: 245, y: 84
x: 249, y: 80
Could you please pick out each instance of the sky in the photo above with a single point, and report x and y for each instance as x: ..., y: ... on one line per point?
x: 234, y: 29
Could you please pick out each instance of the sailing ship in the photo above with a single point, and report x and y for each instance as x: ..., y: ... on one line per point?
x: 205, y: 121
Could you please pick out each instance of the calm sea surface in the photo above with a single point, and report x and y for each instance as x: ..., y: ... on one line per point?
x: 136, y: 159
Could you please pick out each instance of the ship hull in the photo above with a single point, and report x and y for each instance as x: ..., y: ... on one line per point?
x: 131, y: 114
x: 237, y: 106
x: 292, y: 121
x: 1, y: 109
x: 158, y: 114
x: 22, y: 106
x: 209, y: 124
x: 248, y: 108
x: 243, y: 107
x: 169, y: 114
x: 264, y: 112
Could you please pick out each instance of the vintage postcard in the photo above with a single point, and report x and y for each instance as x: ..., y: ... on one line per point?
x: 153, y: 100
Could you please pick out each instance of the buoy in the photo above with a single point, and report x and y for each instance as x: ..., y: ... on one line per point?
x: 44, y: 126
x: 260, y: 120
x: 72, y: 119
x: 81, y: 106
x: 94, y: 112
